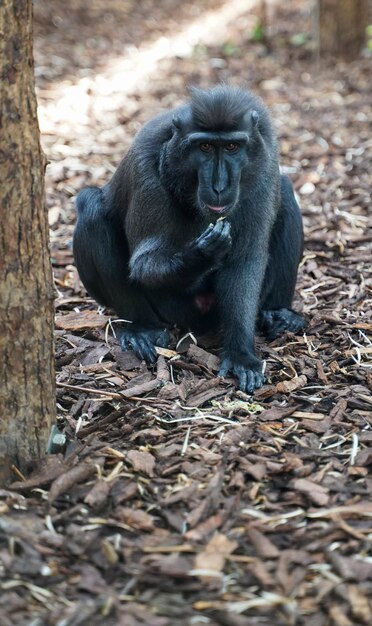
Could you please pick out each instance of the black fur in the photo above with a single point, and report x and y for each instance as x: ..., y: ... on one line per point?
x: 150, y: 245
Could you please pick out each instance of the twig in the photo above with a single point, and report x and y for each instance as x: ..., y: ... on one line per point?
x: 186, y: 441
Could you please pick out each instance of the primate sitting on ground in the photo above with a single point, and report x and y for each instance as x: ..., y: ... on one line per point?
x: 197, y: 228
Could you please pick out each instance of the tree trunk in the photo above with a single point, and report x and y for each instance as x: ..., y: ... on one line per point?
x: 342, y: 27
x: 27, y: 401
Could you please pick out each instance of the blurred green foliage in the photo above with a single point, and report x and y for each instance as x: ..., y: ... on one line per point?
x: 369, y: 36
x: 258, y: 33
x: 229, y: 49
x: 299, y: 39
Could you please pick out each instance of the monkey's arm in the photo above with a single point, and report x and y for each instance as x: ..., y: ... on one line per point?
x: 155, y: 263
x: 238, y: 291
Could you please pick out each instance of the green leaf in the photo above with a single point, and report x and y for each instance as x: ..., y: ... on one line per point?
x: 299, y: 39
x: 229, y: 49
x: 258, y: 33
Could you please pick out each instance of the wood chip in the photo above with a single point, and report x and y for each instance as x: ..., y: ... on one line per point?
x: 291, y: 385
x: 81, y: 321
x: 202, y: 357
x: 141, y: 461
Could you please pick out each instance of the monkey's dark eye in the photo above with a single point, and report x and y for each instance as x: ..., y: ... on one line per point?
x: 231, y: 147
x: 206, y: 147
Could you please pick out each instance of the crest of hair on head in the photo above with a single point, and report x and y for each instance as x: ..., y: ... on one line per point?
x: 220, y: 108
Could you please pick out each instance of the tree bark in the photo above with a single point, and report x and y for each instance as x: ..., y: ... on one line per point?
x: 27, y: 400
x: 342, y: 27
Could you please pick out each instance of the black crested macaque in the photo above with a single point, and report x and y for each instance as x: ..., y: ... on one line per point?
x: 197, y: 228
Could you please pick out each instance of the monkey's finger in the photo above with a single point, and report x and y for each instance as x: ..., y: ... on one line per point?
x: 124, y: 343
x: 144, y: 348
x: 207, y: 231
x: 250, y: 382
x: 226, y: 228
x: 163, y: 339
x: 212, y: 233
x: 219, y: 226
x: 205, y: 235
x: 208, y: 241
x: 223, y: 235
x: 242, y: 379
x: 259, y: 380
x: 225, y: 367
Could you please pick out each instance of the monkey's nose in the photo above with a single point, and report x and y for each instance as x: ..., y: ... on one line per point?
x: 219, y: 186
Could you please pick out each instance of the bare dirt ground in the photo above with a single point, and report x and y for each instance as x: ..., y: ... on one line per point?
x: 180, y: 500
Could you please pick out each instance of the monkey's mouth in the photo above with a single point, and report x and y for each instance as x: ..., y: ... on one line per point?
x: 217, y: 209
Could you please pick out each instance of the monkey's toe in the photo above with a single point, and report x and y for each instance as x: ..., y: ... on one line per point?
x: 250, y: 378
x: 161, y: 338
x: 273, y: 323
x: 143, y: 341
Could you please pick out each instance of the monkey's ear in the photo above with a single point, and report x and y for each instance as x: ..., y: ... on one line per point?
x: 251, y: 120
x: 177, y: 122
x: 254, y: 118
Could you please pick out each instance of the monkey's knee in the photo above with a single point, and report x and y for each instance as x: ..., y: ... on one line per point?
x: 89, y: 247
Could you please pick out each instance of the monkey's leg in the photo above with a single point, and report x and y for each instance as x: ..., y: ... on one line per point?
x: 286, y: 247
x: 101, y: 257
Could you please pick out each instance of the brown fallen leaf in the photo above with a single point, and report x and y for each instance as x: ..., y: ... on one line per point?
x: 226, y: 618
x: 337, y: 412
x: 236, y: 435
x: 141, y: 462
x: 364, y: 457
x: 136, y: 518
x: 338, y: 616
x: 360, y: 607
x: 170, y: 391
x: 320, y: 371
x: 198, y: 512
x: 264, y: 547
x: 109, y: 552
x: 98, y: 495
x: 257, y: 470
x: 293, y: 384
x: 205, y: 528
x: 169, y: 565
x: 127, y: 360
x: 260, y: 571
x: 72, y: 477
x: 90, y: 579
x: 317, y: 493
x: 276, y: 413
x: 214, y: 555
x: 81, y: 320
x: 286, y: 574
x: 350, y: 568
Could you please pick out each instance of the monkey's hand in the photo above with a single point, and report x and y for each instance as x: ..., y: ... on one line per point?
x: 215, y: 242
x: 248, y: 370
x: 143, y: 341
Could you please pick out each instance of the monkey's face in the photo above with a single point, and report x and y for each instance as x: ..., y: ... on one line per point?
x: 219, y: 162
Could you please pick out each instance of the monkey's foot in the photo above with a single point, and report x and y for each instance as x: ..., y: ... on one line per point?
x: 143, y: 341
x: 250, y: 377
x: 272, y: 323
